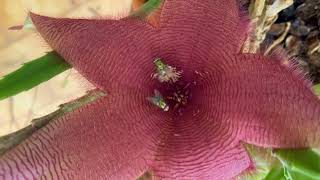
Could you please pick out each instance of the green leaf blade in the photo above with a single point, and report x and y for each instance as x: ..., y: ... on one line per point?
x: 275, y: 173
x: 316, y: 89
x: 302, y: 162
x: 32, y: 74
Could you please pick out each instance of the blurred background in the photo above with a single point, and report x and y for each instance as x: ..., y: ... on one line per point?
x: 17, y: 47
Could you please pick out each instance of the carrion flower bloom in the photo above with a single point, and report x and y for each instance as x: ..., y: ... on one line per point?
x: 187, y: 128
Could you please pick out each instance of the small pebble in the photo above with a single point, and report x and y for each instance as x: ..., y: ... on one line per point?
x: 293, y: 45
x: 315, y: 60
x: 309, y: 9
x: 313, y: 42
x: 299, y: 29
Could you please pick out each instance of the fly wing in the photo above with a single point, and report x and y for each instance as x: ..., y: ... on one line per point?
x: 153, y: 100
x: 157, y: 94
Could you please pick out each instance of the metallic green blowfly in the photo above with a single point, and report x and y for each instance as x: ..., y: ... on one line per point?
x: 158, y: 100
x: 166, y: 73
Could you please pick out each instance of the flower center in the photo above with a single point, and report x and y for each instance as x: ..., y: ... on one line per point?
x: 174, y: 93
x: 178, y: 95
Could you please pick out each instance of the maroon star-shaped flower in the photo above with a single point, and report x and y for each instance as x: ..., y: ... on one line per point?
x: 216, y: 96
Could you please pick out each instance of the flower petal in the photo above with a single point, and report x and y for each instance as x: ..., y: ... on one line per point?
x: 113, y: 138
x: 109, y: 53
x: 199, y: 146
x: 192, y: 28
x: 270, y: 102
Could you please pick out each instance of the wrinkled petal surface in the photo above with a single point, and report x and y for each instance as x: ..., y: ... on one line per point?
x: 237, y: 97
x: 199, y: 146
x: 270, y: 102
x: 114, y: 138
x: 112, y: 54
x: 190, y: 29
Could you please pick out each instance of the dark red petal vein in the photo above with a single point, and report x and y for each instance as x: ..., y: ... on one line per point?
x: 112, y: 54
x: 200, y: 147
x: 270, y: 103
x: 202, y: 143
x: 190, y: 29
x: 114, y: 138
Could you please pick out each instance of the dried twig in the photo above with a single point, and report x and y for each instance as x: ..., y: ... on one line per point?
x: 262, y: 16
x: 279, y: 40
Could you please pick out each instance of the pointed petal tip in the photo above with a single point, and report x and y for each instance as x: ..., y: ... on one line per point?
x: 92, y: 45
x: 292, y: 64
x: 35, y: 17
x: 38, y: 19
x: 286, y: 111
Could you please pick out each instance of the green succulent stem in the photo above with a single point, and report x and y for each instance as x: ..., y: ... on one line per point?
x: 303, y: 161
x: 32, y: 74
